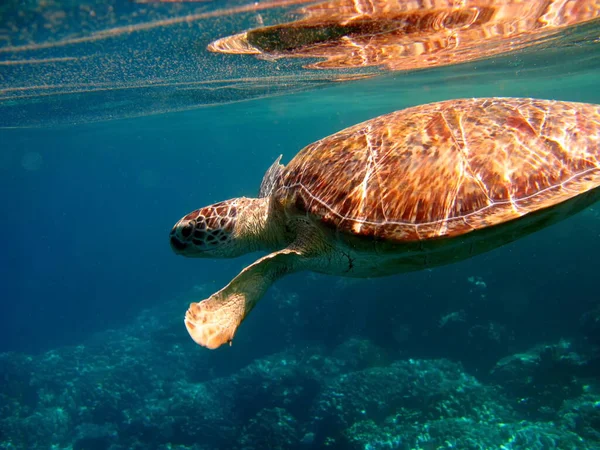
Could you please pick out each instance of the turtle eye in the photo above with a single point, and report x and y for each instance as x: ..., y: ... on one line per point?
x: 186, y: 231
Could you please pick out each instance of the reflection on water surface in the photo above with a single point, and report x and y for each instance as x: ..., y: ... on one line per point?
x: 74, y: 62
x: 416, y: 34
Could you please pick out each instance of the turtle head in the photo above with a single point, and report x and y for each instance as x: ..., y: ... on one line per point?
x: 223, y: 230
x: 207, y: 232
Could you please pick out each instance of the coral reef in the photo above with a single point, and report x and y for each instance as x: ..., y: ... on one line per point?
x: 146, y: 386
x: 117, y: 392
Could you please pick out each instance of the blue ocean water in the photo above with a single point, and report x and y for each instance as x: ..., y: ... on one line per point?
x: 500, y: 351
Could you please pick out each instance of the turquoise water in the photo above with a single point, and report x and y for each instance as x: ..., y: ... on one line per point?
x: 499, y: 351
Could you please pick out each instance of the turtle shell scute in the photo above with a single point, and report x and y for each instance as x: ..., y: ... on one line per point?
x: 447, y: 168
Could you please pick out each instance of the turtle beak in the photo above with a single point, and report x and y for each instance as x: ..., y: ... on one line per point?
x: 177, y: 242
x: 177, y: 245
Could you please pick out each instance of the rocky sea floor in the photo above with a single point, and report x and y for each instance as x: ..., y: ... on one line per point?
x: 143, y: 387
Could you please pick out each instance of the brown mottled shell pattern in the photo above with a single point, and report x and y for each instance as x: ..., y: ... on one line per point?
x: 447, y: 168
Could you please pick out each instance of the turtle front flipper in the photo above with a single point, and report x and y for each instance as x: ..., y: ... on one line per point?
x: 214, y: 321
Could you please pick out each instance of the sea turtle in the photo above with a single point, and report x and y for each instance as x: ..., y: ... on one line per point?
x: 409, y: 34
x: 413, y: 189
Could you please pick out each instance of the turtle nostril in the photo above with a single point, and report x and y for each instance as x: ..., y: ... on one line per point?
x: 176, y: 244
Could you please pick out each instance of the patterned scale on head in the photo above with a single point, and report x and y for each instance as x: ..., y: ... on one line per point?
x: 205, y: 229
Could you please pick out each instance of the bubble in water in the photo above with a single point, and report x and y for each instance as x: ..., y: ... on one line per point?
x: 32, y: 161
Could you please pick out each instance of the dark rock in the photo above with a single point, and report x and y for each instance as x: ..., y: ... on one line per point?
x: 582, y: 415
x: 271, y: 428
x: 541, y: 379
x: 403, y: 392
